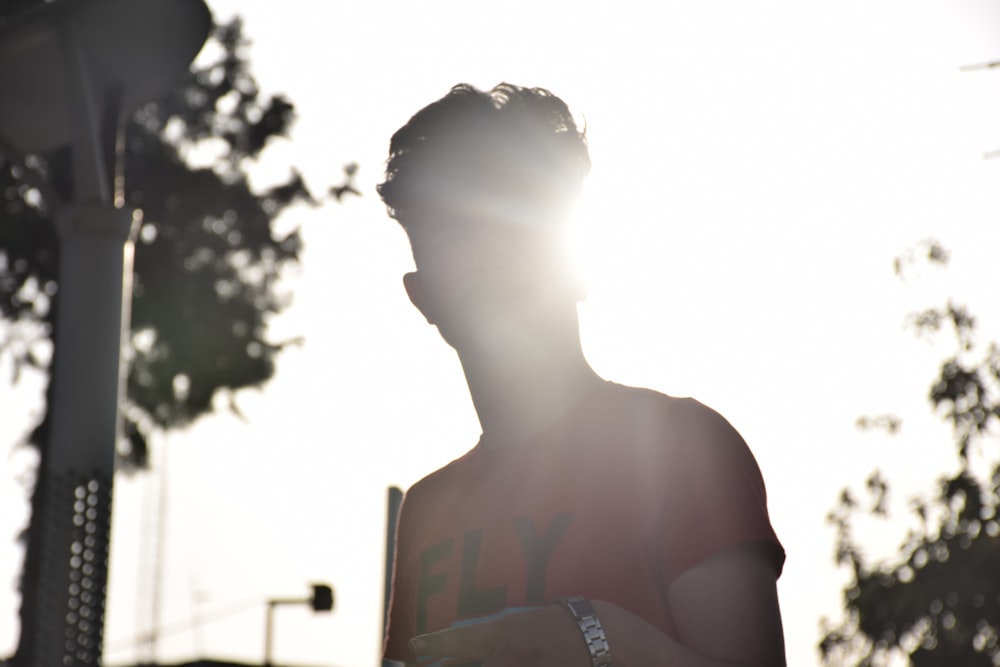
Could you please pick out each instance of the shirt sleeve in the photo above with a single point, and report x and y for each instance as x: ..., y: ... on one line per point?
x: 714, y: 496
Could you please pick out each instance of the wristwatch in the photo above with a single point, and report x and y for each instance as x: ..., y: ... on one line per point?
x: 593, y: 632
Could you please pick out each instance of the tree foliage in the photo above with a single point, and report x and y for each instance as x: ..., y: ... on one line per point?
x: 207, y: 256
x: 937, y: 601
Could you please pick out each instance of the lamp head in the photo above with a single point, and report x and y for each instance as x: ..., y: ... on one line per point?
x: 70, y: 57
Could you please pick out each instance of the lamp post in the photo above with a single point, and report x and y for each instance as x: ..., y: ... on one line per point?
x: 70, y: 71
x: 321, y: 600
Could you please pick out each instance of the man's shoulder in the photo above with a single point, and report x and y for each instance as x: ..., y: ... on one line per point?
x: 670, y: 421
x: 678, y: 411
x: 432, y: 482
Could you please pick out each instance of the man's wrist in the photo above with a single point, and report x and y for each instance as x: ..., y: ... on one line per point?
x: 585, y: 615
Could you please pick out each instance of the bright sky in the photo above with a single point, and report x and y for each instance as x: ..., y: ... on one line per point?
x: 757, y: 166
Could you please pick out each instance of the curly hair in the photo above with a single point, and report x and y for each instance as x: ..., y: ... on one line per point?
x: 511, y: 154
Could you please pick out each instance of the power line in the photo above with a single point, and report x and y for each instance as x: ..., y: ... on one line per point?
x: 188, y: 625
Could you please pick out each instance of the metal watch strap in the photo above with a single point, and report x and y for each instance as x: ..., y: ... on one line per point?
x: 593, y: 632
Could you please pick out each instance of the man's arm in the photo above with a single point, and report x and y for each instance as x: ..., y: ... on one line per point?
x: 725, y: 610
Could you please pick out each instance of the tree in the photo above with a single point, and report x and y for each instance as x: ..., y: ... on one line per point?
x: 937, y: 602
x: 207, y: 257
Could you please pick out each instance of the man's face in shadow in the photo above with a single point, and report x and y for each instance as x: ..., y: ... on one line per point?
x: 491, y: 287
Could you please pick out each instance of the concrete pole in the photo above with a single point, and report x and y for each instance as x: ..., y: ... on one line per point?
x: 395, y: 499
x: 95, y: 267
x: 95, y: 281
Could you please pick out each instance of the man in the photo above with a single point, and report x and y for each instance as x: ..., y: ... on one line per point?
x: 593, y: 523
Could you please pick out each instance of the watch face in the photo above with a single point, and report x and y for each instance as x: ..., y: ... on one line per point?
x: 578, y: 605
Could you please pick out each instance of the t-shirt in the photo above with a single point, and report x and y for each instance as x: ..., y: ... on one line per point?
x: 612, y: 502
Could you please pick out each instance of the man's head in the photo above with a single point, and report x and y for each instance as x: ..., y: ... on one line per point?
x: 511, y: 155
x: 482, y: 182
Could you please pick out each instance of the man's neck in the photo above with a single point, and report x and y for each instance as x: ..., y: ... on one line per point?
x: 516, y: 398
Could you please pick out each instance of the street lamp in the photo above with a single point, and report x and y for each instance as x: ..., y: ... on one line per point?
x: 70, y: 72
x: 321, y: 600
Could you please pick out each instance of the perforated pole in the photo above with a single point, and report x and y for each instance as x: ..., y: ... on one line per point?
x: 95, y: 254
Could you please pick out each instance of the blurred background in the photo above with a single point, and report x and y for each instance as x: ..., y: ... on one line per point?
x: 778, y: 187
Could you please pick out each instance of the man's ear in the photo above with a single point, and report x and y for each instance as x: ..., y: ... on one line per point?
x: 414, y: 290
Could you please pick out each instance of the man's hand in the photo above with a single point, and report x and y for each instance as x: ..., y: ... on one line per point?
x: 725, y: 609
x: 549, y: 637
x: 543, y: 637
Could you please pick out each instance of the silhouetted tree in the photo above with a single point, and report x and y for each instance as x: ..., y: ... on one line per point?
x: 937, y: 601
x: 207, y: 256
